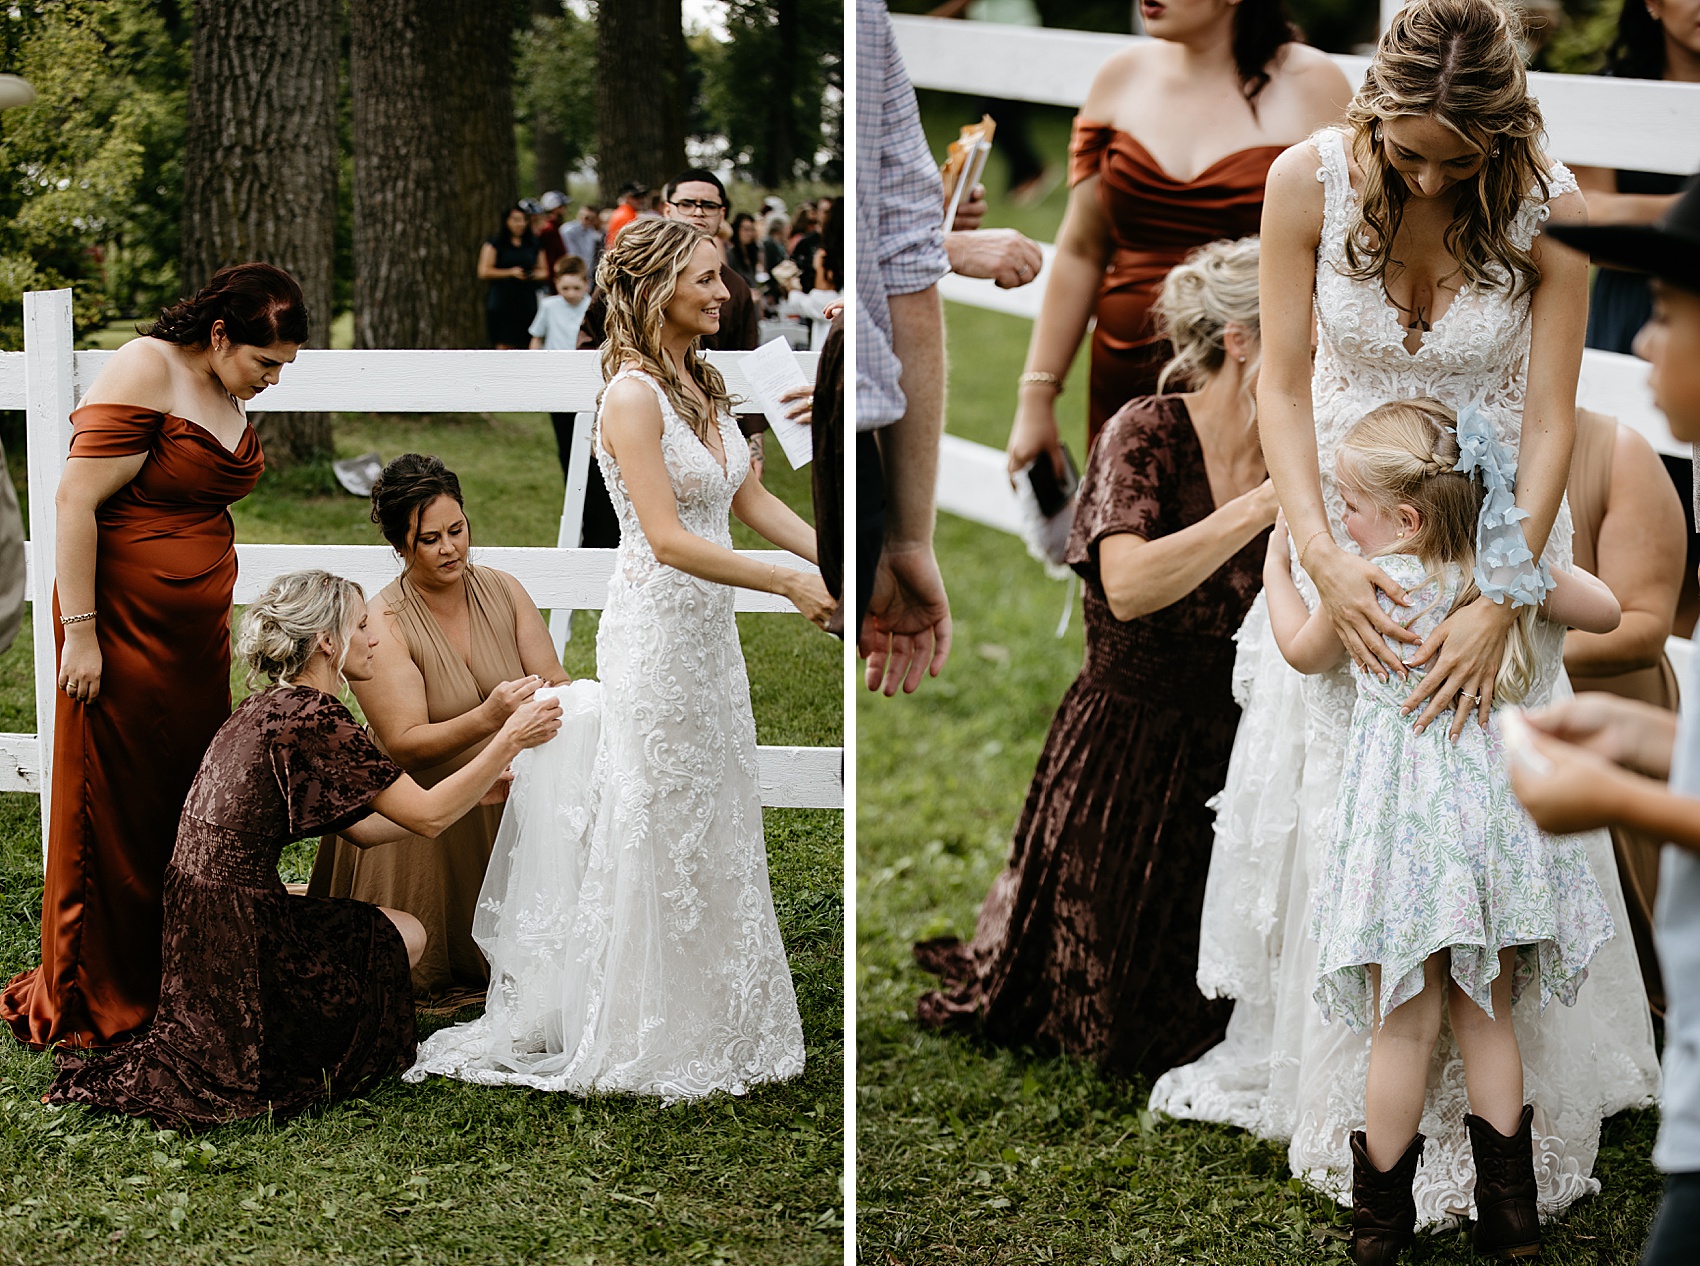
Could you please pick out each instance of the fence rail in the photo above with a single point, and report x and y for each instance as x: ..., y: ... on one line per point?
x: 48, y: 376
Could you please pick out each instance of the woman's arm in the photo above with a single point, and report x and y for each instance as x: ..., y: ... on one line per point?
x: 1639, y: 551
x: 487, y: 270
x: 1607, y: 206
x: 1346, y: 584
x: 1140, y: 576
x: 536, y: 648
x: 762, y: 512
x: 1567, y: 788
x: 1084, y: 247
x: 393, y: 699
x: 1306, y: 638
x: 1464, y: 653
x: 431, y: 812
x: 631, y: 434
x: 1582, y: 601
x: 540, y: 270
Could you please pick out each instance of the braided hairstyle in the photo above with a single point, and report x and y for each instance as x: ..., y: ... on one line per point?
x: 1404, y: 453
x: 1213, y: 287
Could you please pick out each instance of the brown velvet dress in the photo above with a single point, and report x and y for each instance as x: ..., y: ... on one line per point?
x: 164, y: 574
x: 437, y: 881
x: 1156, y: 221
x: 1088, y: 941
x: 270, y: 1003
x: 1637, y: 855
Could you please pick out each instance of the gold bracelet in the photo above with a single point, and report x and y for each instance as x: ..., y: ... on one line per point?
x: 1041, y: 376
x: 77, y: 619
x: 1319, y: 532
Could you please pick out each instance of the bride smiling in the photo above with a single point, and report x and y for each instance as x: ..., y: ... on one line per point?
x: 627, y: 914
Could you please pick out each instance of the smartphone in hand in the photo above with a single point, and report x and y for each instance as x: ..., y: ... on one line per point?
x: 1051, y: 493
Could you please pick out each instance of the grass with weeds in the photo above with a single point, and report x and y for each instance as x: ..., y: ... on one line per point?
x: 972, y: 1155
x: 448, y: 1172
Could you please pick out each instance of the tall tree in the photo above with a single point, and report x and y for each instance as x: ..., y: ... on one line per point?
x: 260, y: 165
x: 548, y: 149
x: 434, y: 163
x: 641, y: 92
x: 792, y: 128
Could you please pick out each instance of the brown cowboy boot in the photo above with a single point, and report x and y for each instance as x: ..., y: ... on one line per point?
x: 1384, y: 1214
x: 1507, y: 1225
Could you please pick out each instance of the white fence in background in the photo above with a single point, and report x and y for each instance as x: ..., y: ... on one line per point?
x: 48, y: 377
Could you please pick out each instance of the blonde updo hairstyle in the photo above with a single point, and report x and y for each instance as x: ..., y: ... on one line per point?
x: 1404, y: 453
x: 1456, y: 62
x: 281, y: 628
x: 638, y: 277
x: 1213, y: 287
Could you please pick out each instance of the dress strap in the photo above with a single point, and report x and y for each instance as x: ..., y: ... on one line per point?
x: 1335, y: 175
x: 1535, y: 209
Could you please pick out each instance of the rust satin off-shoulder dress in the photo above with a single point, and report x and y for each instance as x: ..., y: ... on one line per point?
x: 1155, y: 222
x: 122, y: 766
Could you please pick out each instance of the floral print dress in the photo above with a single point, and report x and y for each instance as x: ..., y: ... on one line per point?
x: 1432, y: 851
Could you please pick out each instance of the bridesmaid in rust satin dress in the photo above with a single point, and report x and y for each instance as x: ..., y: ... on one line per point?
x: 146, y: 566
x: 1169, y: 152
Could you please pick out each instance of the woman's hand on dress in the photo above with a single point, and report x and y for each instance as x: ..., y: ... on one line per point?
x: 807, y: 592
x: 534, y: 723
x: 80, y: 663
x: 508, y: 696
x: 498, y: 792
x: 1035, y: 431
x: 1346, y: 586
x: 1464, y: 654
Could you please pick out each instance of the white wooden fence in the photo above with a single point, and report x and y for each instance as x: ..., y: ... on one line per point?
x: 47, y: 378
x: 1591, y: 120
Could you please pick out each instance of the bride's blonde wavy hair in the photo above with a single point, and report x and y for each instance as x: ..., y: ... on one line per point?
x: 637, y: 277
x: 1456, y: 62
x: 1405, y: 453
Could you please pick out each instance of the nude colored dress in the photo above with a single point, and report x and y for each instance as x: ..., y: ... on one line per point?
x: 437, y: 881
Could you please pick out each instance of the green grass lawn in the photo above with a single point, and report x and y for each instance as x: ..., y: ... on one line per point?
x: 447, y: 1172
x: 968, y: 1154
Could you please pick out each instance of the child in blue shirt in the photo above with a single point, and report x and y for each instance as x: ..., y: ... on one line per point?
x: 555, y: 327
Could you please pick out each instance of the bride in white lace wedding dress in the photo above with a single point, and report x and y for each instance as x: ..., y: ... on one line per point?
x: 626, y: 913
x: 1281, y: 1072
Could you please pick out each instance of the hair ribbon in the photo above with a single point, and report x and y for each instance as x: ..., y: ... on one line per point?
x: 1505, y: 567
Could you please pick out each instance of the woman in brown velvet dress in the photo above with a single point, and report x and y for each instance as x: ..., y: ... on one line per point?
x: 461, y: 647
x: 1088, y: 941
x: 271, y: 1003
x: 146, y: 563
x: 1631, y: 534
x: 1170, y: 151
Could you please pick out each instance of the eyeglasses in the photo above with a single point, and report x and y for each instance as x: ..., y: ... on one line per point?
x: 692, y: 205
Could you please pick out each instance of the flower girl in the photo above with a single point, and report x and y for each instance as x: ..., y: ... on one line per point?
x: 1438, y: 891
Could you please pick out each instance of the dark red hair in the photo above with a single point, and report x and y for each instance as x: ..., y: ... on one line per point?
x: 259, y: 304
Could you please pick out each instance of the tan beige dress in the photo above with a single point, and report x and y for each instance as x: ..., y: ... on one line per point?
x: 1637, y: 855
x: 437, y: 881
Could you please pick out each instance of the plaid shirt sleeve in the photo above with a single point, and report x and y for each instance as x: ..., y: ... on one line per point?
x: 899, y: 211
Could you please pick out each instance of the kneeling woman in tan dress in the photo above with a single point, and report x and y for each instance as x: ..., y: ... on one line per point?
x: 460, y: 648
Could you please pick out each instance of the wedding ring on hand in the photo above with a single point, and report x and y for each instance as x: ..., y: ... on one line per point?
x: 1465, y: 694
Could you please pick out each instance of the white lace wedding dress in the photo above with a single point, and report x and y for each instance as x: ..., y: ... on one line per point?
x: 626, y: 912
x: 1280, y: 1072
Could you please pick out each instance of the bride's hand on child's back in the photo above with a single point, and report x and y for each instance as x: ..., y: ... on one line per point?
x: 1463, y: 656
x: 1346, y: 584
x: 1625, y: 732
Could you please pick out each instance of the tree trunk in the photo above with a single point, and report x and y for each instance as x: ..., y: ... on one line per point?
x: 260, y: 164
x: 434, y: 164
x: 782, y: 98
x: 640, y: 93
x: 548, y: 151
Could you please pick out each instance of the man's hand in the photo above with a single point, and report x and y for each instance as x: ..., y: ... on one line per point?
x: 1003, y: 255
x: 907, y: 629
x: 971, y: 211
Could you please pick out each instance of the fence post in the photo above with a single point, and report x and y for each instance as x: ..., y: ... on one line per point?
x: 572, y: 517
x: 50, y: 395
